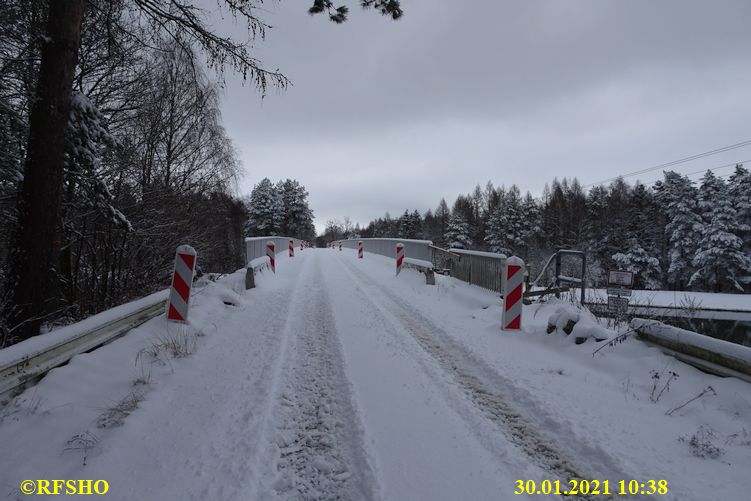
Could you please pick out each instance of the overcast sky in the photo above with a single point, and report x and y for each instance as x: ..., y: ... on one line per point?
x: 386, y: 116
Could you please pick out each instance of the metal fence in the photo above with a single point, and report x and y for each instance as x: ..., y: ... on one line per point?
x: 476, y: 267
x: 255, y: 247
x: 414, y: 249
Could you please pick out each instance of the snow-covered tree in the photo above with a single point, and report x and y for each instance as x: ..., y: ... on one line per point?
x: 740, y: 195
x: 457, y: 232
x: 646, y: 267
x: 85, y: 141
x: 442, y: 216
x: 264, y: 210
x: 719, y: 258
x: 296, y: 216
x: 677, y: 198
x: 532, y: 217
x: 507, y: 227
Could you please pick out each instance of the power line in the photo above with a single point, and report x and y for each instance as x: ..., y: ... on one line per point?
x: 676, y: 162
x: 732, y: 164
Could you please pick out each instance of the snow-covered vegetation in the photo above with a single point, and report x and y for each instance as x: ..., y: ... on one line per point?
x: 673, y: 235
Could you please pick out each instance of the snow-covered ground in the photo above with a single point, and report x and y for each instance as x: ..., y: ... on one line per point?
x: 334, y: 379
x: 681, y: 299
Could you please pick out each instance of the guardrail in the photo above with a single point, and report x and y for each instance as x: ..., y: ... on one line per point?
x: 414, y: 249
x: 24, y: 370
x: 703, y: 352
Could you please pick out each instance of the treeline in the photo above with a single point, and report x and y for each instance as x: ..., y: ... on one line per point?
x: 673, y: 235
x: 147, y: 165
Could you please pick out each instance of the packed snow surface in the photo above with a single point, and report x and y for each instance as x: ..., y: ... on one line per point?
x: 334, y: 379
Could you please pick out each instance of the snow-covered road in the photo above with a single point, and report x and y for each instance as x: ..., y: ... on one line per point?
x: 333, y: 379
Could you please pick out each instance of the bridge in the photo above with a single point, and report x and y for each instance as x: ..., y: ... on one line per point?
x: 333, y: 378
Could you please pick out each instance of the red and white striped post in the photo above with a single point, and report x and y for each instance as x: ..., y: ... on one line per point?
x: 182, y: 279
x: 271, y: 253
x: 513, y: 274
x: 302, y: 246
x: 340, y: 245
x: 291, y: 248
x: 399, y: 257
x: 359, y: 249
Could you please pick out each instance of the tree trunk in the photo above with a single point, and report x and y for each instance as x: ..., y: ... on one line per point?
x: 31, y: 275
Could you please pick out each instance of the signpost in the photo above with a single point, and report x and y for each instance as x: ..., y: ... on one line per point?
x: 620, y: 283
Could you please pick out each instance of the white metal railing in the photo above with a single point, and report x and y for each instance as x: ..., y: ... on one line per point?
x: 255, y: 247
x: 480, y: 268
x: 414, y: 249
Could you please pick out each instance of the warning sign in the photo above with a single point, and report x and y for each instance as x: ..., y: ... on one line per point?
x: 621, y: 278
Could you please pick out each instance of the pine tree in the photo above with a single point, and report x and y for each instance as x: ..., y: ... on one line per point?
x: 442, y: 216
x: 457, y: 232
x: 740, y: 196
x: 677, y: 198
x: 296, y: 218
x: 264, y: 214
x: 646, y: 267
x: 719, y: 258
x: 532, y: 221
x: 507, y: 227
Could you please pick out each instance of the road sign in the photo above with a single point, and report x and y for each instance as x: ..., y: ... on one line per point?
x: 621, y: 277
x: 617, y: 305
x: 619, y: 291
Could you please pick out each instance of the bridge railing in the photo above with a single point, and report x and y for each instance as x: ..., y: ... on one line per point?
x: 255, y: 247
x: 413, y: 249
x: 477, y: 268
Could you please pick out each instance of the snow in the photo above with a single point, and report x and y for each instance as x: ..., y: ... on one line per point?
x: 420, y: 263
x: 259, y: 261
x: 333, y: 379
x: 478, y: 253
x: 680, y: 299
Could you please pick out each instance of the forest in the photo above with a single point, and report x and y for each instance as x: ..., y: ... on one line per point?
x: 144, y: 164
x: 673, y: 235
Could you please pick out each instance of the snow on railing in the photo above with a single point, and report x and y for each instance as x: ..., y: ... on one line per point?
x: 24, y: 363
x: 704, y: 352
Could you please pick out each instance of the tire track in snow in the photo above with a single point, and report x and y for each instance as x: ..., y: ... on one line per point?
x: 317, y: 441
x: 477, y: 381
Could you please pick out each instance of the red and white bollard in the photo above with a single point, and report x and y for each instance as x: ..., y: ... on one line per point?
x: 291, y: 248
x: 340, y: 245
x: 182, y: 279
x: 359, y: 249
x: 399, y: 258
x: 513, y: 275
x: 271, y: 254
x: 301, y: 245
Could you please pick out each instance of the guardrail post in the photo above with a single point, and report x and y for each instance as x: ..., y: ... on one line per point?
x: 512, y: 297
x: 291, y: 248
x: 340, y: 245
x: 359, y: 249
x: 271, y: 254
x: 182, y: 280
x: 429, y: 277
x: 558, y: 273
x: 250, y: 278
x: 399, y: 258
